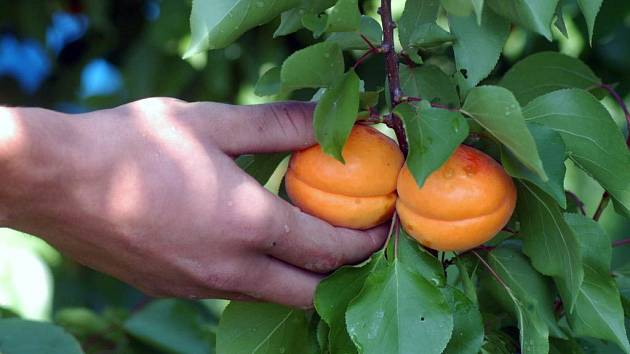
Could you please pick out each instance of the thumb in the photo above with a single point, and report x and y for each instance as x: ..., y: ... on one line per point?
x: 273, y: 127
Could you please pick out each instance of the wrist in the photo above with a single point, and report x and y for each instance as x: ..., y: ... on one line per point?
x: 36, y: 155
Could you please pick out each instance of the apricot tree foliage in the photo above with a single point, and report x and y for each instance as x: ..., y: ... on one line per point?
x: 542, y: 285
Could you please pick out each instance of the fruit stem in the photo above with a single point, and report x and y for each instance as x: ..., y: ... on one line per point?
x: 391, y: 67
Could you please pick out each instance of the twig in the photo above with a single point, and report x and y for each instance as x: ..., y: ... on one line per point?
x: 621, y: 242
x: 621, y: 104
x: 603, y: 203
x: 391, y: 67
x: 578, y: 202
x: 369, y: 43
x: 363, y: 58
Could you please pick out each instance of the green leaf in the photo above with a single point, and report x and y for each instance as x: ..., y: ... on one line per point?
x: 319, y: 65
x: 498, y: 343
x: 344, y: 17
x: 525, y: 282
x: 216, y: 24
x: 478, y: 9
x: 7, y: 313
x: 552, y: 153
x: 467, y: 324
x: 511, y: 267
x: 81, y: 321
x: 560, y: 346
x: 430, y: 83
x: 535, y: 15
x: 369, y: 27
x: 333, y: 296
x: 598, y: 311
x: 559, y: 23
x: 549, y: 242
x: 458, y: 7
x: 590, y: 9
x: 336, y: 113
x: 261, y: 328
x: 433, y: 135
x: 369, y: 99
x: 398, y: 311
x: 622, y: 277
x: 477, y: 47
x: 291, y: 20
x: 315, y: 23
x: 545, y: 72
x: 466, y: 271
x: 322, y: 337
x: 261, y: 166
x: 28, y: 337
x: 429, y: 35
x: 173, y: 325
x: 498, y: 112
x: 415, y: 14
x: 591, y: 136
x: 269, y: 83
x: 418, y: 260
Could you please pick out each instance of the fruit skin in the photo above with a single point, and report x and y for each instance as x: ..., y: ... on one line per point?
x: 360, y: 194
x: 463, y: 204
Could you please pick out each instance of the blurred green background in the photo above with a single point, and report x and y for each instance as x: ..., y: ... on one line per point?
x: 80, y: 55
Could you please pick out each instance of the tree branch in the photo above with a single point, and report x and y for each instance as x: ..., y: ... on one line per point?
x: 391, y: 67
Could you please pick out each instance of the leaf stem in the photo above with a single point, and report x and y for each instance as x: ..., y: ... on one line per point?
x: 391, y: 67
x: 391, y: 230
x: 603, y: 203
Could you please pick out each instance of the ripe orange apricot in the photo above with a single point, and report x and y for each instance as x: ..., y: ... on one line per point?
x: 359, y: 194
x: 461, y: 205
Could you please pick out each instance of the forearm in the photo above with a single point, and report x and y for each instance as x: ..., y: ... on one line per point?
x: 36, y: 154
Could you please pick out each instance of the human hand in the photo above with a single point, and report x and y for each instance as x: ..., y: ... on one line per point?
x: 149, y: 193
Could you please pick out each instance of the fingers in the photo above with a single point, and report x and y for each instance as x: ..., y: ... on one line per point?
x: 264, y: 128
x: 283, y: 283
x: 315, y: 245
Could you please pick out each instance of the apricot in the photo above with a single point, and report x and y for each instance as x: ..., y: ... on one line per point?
x: 359, y: 194
x: 461, y: 205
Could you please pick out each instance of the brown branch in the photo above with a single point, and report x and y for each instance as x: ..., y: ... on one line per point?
x: 391, y: 67
x: 603, y: 203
